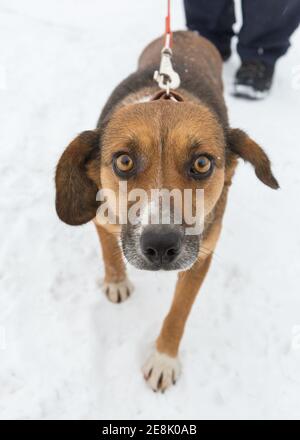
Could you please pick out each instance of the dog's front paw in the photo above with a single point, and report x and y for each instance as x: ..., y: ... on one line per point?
x: 118, y: 292
x: 161, y: 371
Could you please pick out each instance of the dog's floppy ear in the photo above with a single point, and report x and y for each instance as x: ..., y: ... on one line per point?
x: 242, y: 145
x: 75, y: 190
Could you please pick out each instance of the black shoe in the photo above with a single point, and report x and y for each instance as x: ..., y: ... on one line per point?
x: 253, y: 80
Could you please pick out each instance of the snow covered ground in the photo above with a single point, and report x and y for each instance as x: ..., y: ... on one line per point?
x: 65, y: 351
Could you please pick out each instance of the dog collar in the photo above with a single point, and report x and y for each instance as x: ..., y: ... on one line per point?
x: 171, y: 96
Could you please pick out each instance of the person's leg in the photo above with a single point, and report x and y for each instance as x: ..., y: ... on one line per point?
x: 267, y: 27
x: 213, y: 20
x: 264, y: 37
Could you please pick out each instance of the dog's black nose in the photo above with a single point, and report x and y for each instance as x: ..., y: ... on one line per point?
x: 160, y: 244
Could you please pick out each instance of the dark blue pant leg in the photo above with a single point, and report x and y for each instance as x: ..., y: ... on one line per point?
x: 267, y: 27
x: 213, y: 19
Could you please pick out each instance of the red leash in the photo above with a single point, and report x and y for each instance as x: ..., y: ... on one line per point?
x: 168, y: 34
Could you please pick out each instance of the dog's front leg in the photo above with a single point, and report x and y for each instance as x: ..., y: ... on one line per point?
x: 117, y: 286
x: 163, y: 367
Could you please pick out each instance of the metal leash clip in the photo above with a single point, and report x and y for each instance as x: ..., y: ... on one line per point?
x: 166, y: 77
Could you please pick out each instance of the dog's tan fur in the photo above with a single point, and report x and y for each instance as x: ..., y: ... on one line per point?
x: 161, y: 132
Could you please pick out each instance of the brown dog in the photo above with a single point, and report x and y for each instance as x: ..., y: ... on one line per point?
x: 151, y: 142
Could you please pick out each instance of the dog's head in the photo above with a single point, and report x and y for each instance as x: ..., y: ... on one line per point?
x: 159, y: 145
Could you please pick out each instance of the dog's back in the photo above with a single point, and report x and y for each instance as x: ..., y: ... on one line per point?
x: 198, y: 63
x: 193, y: 56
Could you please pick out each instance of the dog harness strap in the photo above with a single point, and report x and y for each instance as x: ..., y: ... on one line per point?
x: 166, y: 77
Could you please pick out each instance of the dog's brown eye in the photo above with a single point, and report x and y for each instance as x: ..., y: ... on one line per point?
x: 202, y: 167
x: 202, y: 164
x: 123, y: 163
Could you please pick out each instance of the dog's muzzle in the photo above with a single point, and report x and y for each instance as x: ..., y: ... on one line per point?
x: 159, y: 247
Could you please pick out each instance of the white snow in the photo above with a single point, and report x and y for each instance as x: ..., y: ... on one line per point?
x: 67, y: 352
